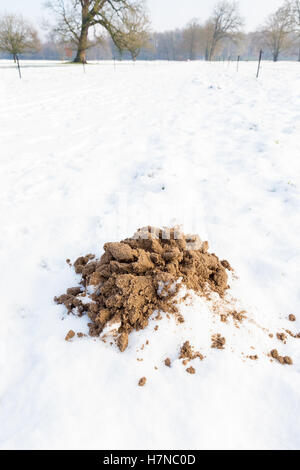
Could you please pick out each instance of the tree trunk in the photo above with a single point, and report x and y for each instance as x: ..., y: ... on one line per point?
x: 82, y: 47
x: 211, y: 53
x: 83, y: 39
x: 212, y: 50
x: 206, y: 53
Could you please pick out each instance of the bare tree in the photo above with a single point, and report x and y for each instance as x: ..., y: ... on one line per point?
x: 17, y: 36
x: 77, y: 19
x: 276, y: 34
x: 294, y: 6
x: 251, y: 45
x: 166, y: 44
x: 225, y: 22
x: 134, y: 33
x: 191, y: 39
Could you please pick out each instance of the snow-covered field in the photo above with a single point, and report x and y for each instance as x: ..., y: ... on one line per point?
x: 90, y: 157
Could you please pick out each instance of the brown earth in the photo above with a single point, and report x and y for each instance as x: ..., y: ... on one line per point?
x: 293, y: 335
x: 142, y: 382
x: 187, y: 353
x: 217, y: 341
x: 141, y: 275
x: 282, y: 359
x: 168, y: 362
x: 282, y: 337
x: 70, y: 335
x: 253, y: 358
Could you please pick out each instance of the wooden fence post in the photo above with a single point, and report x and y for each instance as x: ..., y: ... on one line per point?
x: 18, y: 65
x: 259, y: 62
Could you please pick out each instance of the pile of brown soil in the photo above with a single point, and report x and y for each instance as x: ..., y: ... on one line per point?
x: 140, y: 275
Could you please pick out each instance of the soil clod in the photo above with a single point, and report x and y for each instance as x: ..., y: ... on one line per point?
x: 187, y: 353
x: 253, y: 358
x: 218, y: 342
x: 123, y: 341
x: 281, y: 359
x: 282, y: 337
x: 70, y: 335
x: 142, y: 382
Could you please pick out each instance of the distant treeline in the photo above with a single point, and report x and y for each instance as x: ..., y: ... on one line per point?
x: 174, y: 45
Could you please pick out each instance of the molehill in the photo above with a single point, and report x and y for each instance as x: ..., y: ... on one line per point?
x: 140, y: 276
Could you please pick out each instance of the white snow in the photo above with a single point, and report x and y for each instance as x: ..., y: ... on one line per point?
x: 90, y: 157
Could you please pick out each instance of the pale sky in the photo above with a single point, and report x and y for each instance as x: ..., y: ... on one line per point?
x: 165, y: 14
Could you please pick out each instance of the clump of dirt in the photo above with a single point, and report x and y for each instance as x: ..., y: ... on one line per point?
x: 70, y: 335
x: 282, y: 359
x: 187, y: 353
x: 253, y: 358
x: 282, y: 337
x: 139, y: 275
x: 142, y: 382
x: 123, y: 341
x: 292, y: 317
x: 238, y: 317
x: 191, y: 370
x: 168, y: 362
x: 217, y: 341
x: 293, y: 335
